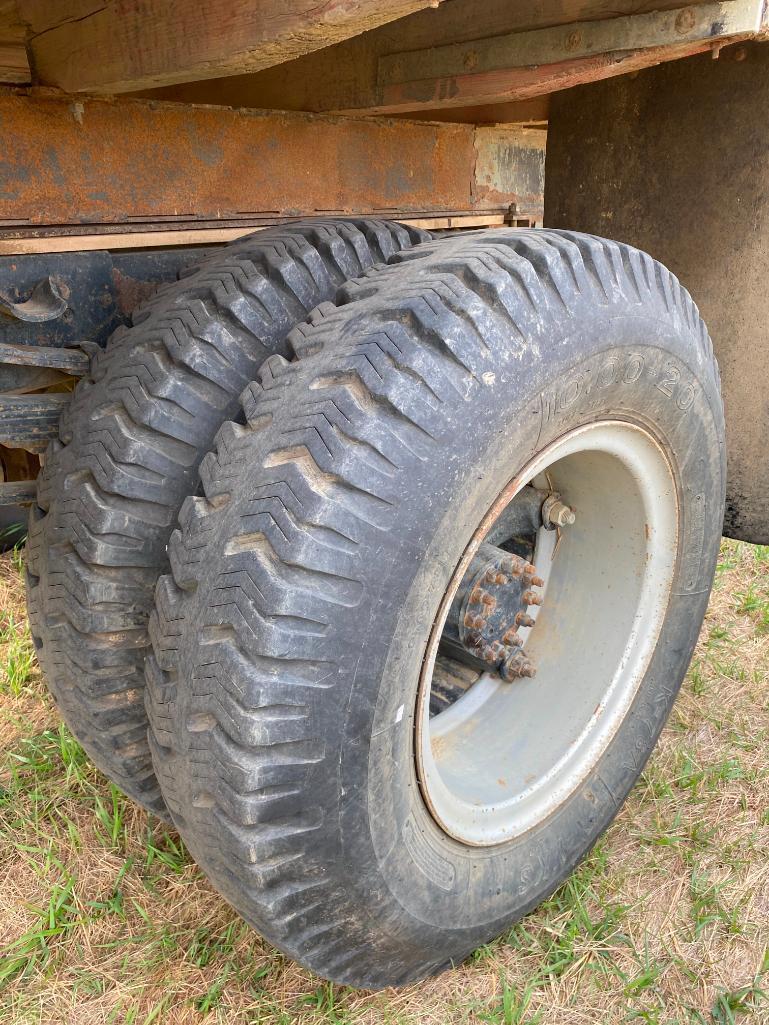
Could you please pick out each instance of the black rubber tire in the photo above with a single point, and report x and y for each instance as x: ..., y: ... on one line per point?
x: 289, y: 639
x: 128, y: 454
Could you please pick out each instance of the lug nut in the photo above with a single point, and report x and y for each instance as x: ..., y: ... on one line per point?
x: 494, y: 576
x: 522, y: 619
x: 487, y: 654
x: 516, y: 667
x: 511, y: 639
x: 513, y: 567
x: 531, y: 598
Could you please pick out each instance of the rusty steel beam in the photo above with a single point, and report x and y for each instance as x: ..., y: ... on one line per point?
x: 70, y: 161
x: 96, y: 161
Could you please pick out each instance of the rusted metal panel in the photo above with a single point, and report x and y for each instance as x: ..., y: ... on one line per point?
x: 510, y: 167
x: 70, y: 161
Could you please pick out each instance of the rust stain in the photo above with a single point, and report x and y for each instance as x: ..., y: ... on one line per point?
x: 129, y: 292
x: 121, y: 159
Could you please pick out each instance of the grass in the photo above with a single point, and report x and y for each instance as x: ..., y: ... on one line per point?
x: 104, y: 918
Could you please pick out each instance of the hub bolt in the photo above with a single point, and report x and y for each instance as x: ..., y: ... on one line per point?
x: 556, y: 513
x: 517, y: 666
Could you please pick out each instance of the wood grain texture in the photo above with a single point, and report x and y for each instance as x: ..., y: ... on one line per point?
x: 123, y: 45
x: 14, y: 65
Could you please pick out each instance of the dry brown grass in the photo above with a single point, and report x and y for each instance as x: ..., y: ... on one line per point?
x: 104, y: 918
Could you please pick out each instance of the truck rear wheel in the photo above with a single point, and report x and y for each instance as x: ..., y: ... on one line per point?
x: 430, y: 616
x: 128, y: 454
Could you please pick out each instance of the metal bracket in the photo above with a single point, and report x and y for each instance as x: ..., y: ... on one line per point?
x: 47, y: 302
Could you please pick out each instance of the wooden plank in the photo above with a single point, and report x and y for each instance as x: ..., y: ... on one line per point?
x: 551, y: 45
x: 69, y: 360
x: 113, y: 46
x: 18, y: 492
x: 533, y: 112
x: 98, y: 161
x: 520, y: 65
x: 344, y: 76
x: 204, y: 236
x: 14, y: 65
x: 457, y: 221
x: 30, y: 421
x: 121, y: 240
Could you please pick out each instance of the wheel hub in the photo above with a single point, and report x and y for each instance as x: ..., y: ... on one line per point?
x: 491, y: 603
x: 497, y: 759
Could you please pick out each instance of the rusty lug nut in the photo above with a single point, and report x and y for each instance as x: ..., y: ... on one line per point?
x: 487, y: 654
x: 522, y: 619
x: 537, y: 582
x: 531, y: 598
x: 494, y: 576
x: 511, y: 639
x: 474, y: 622
x: 517, y: 667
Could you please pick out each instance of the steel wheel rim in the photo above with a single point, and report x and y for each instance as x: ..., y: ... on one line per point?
x: 506, y: 756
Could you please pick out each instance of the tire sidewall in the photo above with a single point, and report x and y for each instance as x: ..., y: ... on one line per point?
x: 648, y: 369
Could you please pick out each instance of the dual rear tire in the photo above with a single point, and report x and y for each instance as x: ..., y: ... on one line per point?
x: 301, y: 634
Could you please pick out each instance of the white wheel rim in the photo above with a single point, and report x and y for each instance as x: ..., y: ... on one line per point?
x: 506, y: 756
